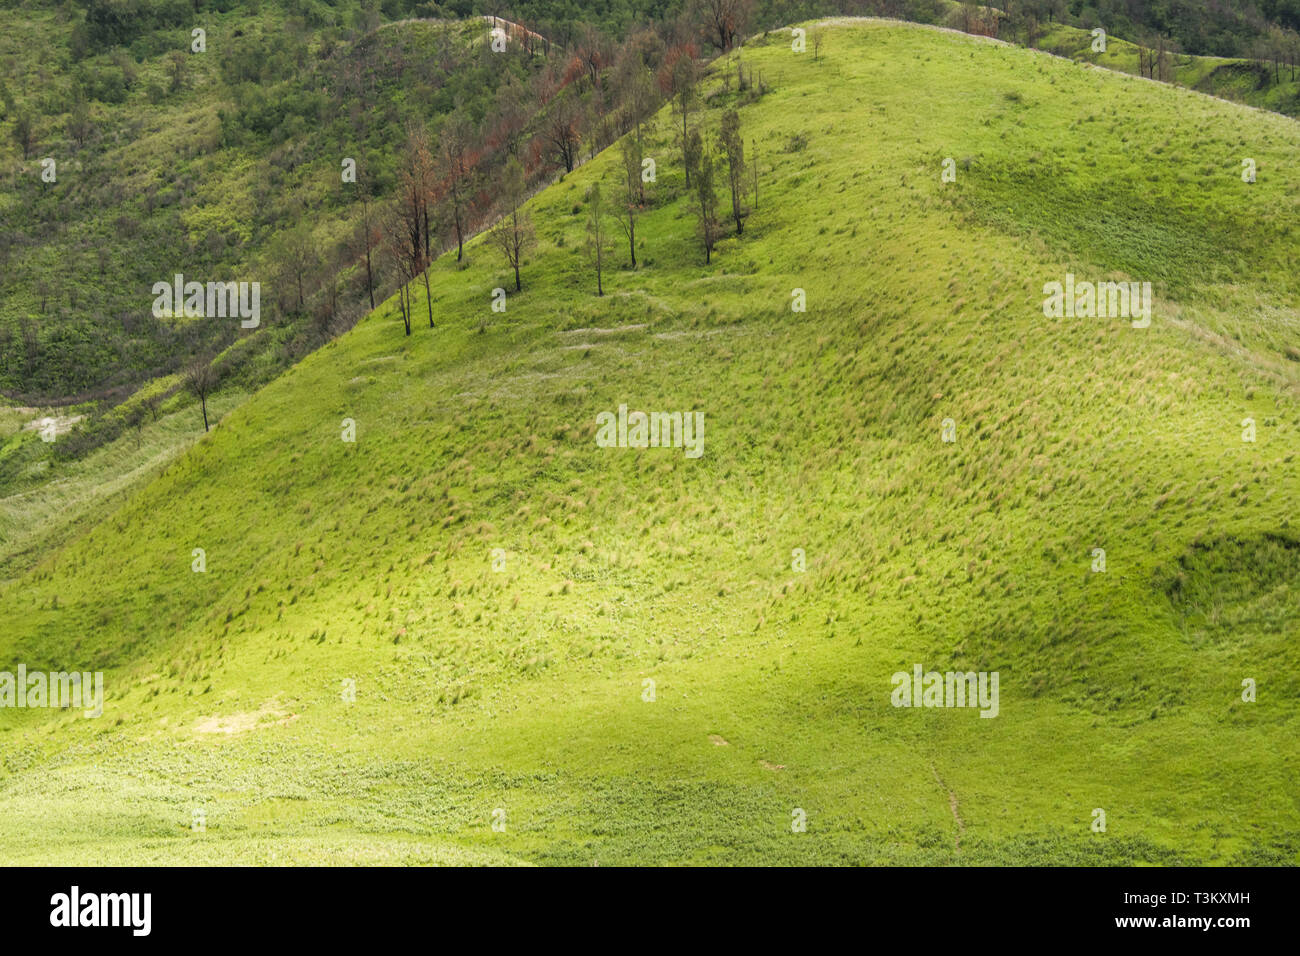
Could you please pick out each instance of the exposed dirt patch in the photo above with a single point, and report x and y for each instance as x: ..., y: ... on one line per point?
x: 718, y: 741
x: 771, y: 766
x: 952, y: 805
x: 53, y: 424
x: 266, y: 716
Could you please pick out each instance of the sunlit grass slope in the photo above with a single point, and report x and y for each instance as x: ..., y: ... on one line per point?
x: 518, y: 696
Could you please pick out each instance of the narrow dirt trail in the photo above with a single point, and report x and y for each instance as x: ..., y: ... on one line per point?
x: 952, y: 805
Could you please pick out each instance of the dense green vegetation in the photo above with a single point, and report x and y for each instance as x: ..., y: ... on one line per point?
x: 196, y: 171
x: 523, y: 689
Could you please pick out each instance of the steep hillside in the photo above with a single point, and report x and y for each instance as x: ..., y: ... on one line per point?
x: 510, y: 686
x: 193, y: 153
x: 223, y: 164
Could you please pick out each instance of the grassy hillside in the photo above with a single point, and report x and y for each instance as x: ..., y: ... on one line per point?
x: 522, y: 690
x: 40, y: 504
x: 1265, y: 85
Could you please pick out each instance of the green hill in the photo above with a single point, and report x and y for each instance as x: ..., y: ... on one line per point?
x: 519, y: 695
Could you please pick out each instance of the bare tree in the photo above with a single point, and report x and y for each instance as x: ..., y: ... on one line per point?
x: 1277, y: 49
x: 678, y: 78
x: 201, y: 378
x: 629, y: 206
x: 455, y: 154
x: 296, y: 254
x: 513, y: 232
x: 733, y: 148
x: 513, y: 110
x: 642, y: 102
x: 597, y: 237
x: 415, y: 196
x: 594, y: 53
x: 369, y: 235
x: 701, y: 164
x: 415, y: 180
x: 562, y: 128
x: 723, y: 21
x: 635, y: 91
x: 397, y: 242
